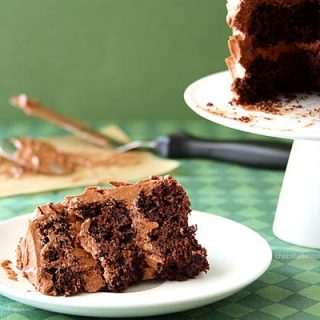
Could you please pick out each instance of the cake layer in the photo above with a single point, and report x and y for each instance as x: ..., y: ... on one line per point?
x: 293, y: 71
x: 108, y: 239
x: 170, y: 247
x: 108, y: 236
x: 290, y: 23
x: 268, y: 22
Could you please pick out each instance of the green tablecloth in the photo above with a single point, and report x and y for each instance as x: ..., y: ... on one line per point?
x: 290, y: 289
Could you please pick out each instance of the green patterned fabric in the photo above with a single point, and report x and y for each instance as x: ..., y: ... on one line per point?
x: 290, y: 289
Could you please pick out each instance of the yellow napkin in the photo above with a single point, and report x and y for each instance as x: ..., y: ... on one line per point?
x: 142, y: 164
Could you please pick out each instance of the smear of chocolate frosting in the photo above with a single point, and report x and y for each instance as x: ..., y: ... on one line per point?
x: 42, y: 157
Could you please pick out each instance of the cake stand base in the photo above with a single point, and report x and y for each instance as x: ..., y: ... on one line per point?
x: 297, y: 217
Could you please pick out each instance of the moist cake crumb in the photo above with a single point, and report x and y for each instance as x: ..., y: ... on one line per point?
x: 6, y: 265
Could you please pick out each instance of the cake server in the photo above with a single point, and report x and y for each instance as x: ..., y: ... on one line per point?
x: 260, y: 154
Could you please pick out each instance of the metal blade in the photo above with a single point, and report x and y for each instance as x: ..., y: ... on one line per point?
x: 136, y: 145
x: 8, y: 149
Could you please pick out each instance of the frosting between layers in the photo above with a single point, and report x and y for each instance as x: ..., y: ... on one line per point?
x: 242, y: 54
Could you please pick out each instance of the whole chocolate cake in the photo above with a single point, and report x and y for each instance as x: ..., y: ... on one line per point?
x: 275, y: 47
x: 110, y: 238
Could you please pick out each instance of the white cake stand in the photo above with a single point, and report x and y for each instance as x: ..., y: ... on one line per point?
x: 297, y: 218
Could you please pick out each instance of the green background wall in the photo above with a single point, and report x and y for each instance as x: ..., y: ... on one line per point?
x: 109, y: 59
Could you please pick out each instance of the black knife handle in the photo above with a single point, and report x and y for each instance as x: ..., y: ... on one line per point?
x: 260, y: 154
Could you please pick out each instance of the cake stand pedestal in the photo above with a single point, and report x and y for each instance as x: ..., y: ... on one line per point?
x: 297, y: 218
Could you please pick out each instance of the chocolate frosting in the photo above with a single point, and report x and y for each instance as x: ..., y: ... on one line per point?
x: 242, y: 53
x: 39, y: 156
x: 42, y: 157
x: 30, y: 253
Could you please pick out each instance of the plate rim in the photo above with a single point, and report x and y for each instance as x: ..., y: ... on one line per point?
x: 303, y: 134
x: 139, y: 309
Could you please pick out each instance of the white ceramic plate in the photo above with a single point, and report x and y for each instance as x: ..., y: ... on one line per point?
x: 237, y: 256
x: 298, y: 118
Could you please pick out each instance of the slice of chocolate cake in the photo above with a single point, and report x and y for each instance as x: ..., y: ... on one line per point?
x: 275, y: 48
x: 108, y: 239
